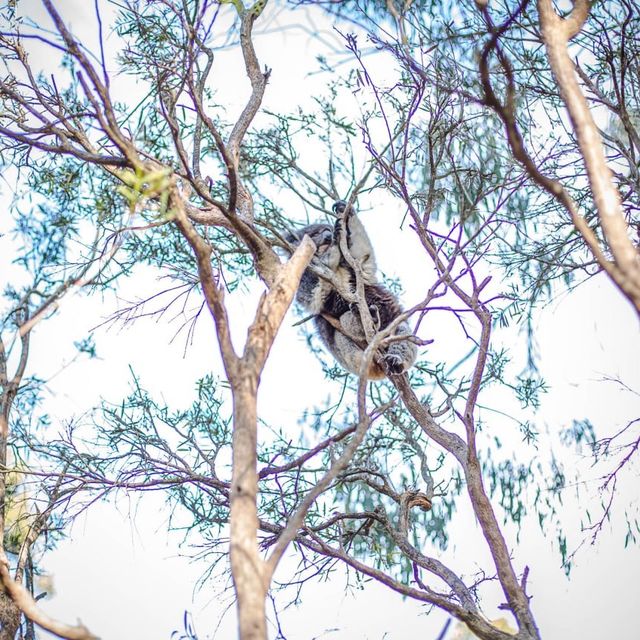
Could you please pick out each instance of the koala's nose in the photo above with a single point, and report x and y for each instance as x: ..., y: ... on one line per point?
x: 326, y: 237
x: 323, y: 241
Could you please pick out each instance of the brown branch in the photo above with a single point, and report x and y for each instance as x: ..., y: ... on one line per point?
x: 463, y: 451
x: 520, y: 153
x: 574, y: 22
x: 274, y: 305
x: 434, y: 566
x: 250, y: 575
x: 448, y: 440
x: 555, y: 33
x: 258, y: 85
x: 231, y: 167
x: 23, y: 599
x: 211, y: 216
x: 300, y: 460
x: 64, y: 149
x: 53, y: 105
x: 107, y: 113
x: 474, y: 621
x: 213, y: 294
x: 338, y: 466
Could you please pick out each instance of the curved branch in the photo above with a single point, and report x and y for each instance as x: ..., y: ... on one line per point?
x: 25, y: 602
x: 474, y: 620
x: 556, y: 33
x: 258, y: 85
x: 295, y: 521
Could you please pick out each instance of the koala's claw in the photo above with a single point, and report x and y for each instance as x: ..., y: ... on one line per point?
x: 394, y: 363
x: 375, y: 316
x: 339, y: 207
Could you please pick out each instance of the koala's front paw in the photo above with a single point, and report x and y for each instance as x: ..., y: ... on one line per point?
x: 375, y: 316
x: 374, y: 312
x: 339, y: 207
x: 395, y: 364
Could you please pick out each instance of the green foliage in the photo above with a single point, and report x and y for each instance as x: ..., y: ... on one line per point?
x: 580, y: 432
x: 141, y: 186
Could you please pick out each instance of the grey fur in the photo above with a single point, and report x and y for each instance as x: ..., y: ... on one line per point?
x: 322, y: 298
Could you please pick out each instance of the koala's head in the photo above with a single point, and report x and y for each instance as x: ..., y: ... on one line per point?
x: 321, y: 234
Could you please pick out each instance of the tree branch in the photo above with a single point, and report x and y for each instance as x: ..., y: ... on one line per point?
x: 555, y: 34
x: 23, y: 599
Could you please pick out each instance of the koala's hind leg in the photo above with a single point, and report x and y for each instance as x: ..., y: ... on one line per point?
x: 351, y: 325
x: 401, y: 354
x: 349, y: 346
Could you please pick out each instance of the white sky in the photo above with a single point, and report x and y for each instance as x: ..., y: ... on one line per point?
x: 124, y: 578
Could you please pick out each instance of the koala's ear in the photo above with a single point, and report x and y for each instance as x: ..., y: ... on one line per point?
x: 291, y: 237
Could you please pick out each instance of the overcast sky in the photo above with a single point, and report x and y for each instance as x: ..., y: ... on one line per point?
x: 121, y: 573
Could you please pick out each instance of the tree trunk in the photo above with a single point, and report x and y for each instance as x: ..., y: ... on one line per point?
x: 9, y: 618
x: 247, y: 567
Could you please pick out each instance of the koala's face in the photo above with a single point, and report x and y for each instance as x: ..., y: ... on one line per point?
x: 321, y: 234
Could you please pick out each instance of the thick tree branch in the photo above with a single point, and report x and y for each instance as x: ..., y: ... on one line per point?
x: 23, y: 599
x: 250, y: 577
x: 274, y: 305
x: 556, y: 32
x: 213, y: 294
x: 257, y: 78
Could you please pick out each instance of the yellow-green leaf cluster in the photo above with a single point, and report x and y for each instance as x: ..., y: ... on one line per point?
x: 141, y: 186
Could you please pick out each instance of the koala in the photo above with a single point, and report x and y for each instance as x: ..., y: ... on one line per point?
x: 322, y: 299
